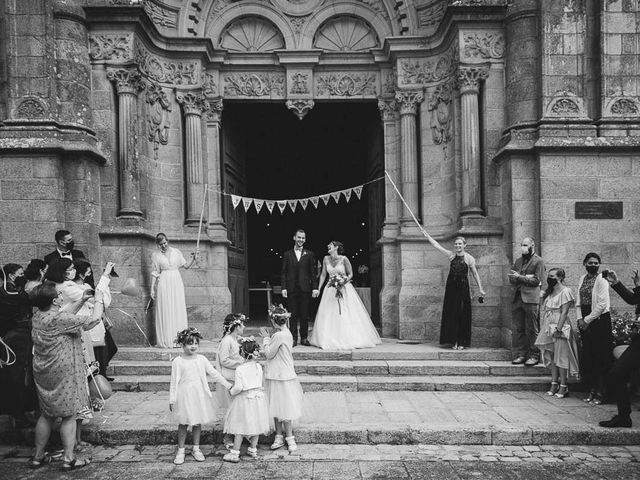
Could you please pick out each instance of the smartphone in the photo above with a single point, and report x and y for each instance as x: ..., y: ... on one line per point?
x: 605, y: 273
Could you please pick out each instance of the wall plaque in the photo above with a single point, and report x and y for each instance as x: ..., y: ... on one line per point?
x: 598, y: 210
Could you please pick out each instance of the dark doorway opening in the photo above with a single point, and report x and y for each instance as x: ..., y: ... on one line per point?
x: 336, y: 146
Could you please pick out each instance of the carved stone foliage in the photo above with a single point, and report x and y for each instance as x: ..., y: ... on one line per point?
x: 158, y: 121
x: 469, y: 78
x: 116, y: 48
x: 218, y: 6
x: 375, y: 5
x: 625, y: 107
x: 429, y: 16
x: 408, y: 101
x: 346, y: 34
x: 163, y: 71
x: 209, y: 85
x: 297, y: 23
x: 388, y: 109
x: 193, y: 103
x: 251, y: 34
x: 215, y: 110
x: 432, y: 70
x: 126, y: 80
x: 565, y: 104
x: 484, y: 45
x: 300, y: 107
x: 346, y: 85
x: 160, y: 14
x: 254, y: 85
x: 30, y: 107
x: 441, y: 117
x: 299, y: 83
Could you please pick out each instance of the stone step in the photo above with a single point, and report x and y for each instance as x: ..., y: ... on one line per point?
x: 359, y: 367
x: 362, y: 383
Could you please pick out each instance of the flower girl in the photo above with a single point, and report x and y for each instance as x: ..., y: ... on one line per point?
x: 284, y: 393
x: 248, y: 414
x: 190, y: 399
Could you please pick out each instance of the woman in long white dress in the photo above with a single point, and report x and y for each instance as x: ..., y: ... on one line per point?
x: 167, y: 291
x: 342, y: 323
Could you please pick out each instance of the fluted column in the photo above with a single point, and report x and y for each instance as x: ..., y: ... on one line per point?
x: 214, y: 122
x: 469, y: 79
x: 389, y: 114
x: 128, y: 84
x: 193, y: 105
x: 408, y: 102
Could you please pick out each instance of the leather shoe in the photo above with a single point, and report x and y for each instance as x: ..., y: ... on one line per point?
x: 617, y: 421
x: 518, y: 360
x: 531, y: 362
x: 305, y: 342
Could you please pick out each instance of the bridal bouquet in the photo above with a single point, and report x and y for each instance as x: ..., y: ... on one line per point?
x: 338, y: 281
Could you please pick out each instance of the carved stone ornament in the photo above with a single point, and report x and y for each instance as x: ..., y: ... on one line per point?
x: 346, y: 34
x: 297, y: 8
x: 299, y: 83
x: 297, y: 23
x: 388, y: 109
x: 483, y: 45
x: 346, y: 85
x: 408, y: 101
x: 565, y: 104
x: 469, y: 78
x: 624, y: 107
x: 300, y: 107
x: 253, y: 85
x: 193, y: 103
x: 429, y: 16
x: 389, y: 82
x: 158, y: 120
x: 215, y: 110
x: 126, y: 80
x: 162, y: 71
x: 209, y: 86
x: 433, y: 70
x: 111, y: 47
x: 160, y: 15
x: 375, y: 5
x: 251, y: 34
x: 30, y: 107
x: 441, y: 118
x: 218, y: 6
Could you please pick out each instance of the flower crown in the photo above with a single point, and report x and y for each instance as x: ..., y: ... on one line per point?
x: 186, y: 334
x: 240, y: 319
x: 278, y: 311
x: 249, y: 348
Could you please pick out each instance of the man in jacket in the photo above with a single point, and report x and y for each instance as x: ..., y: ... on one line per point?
x: 299, y: 284
x: 629, y: 361
x: 526, y: 275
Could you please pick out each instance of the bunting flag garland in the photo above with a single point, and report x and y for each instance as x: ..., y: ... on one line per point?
x: 292, y: 203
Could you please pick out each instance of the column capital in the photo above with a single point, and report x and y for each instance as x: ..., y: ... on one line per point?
x: 300, y: 107
x: 126, y: 80
x: 408, y: 101
x: 192, y: 101
x: 215, y: 110
x: 469, y: 77
x: 388, y: 109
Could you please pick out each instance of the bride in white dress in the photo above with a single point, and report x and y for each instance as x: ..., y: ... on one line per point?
x: 341, y: 323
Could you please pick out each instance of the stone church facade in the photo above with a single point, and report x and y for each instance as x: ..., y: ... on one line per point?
x: 498, y: 120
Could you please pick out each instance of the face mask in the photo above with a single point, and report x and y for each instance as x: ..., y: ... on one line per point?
x: 20, y: 281
x: 526, y: 250
x: 592, y: 269
x: 70, y: 245
x: 552, y: 282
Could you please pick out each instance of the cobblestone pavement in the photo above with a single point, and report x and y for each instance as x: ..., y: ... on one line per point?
x: 320, y: 462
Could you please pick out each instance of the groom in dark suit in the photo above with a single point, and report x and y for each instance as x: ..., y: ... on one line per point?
x: 299, y: 284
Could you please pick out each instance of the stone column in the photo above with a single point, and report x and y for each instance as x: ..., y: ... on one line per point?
x: 128, y: 84
x: 408, y: 101
x: 214, y: 123
x: 193, y: 105
x: 389, y: 114
x: 469, y: 79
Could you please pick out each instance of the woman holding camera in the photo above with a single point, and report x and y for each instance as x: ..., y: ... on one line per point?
x: 594, y: 321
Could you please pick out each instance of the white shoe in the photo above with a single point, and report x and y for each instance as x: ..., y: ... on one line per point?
x: 252, y: 452
x: 291, y: 443
x: 233, y: 456
x: 179, y: 460
x: 278, y: 442
x: 197, y: 454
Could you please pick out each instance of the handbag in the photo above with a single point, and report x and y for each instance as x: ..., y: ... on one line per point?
x: 565, y: 330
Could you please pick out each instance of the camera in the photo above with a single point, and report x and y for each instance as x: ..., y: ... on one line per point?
x: 605, y: 273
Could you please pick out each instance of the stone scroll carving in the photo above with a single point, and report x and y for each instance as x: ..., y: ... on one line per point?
x: 388, y: 109
x: 160, y: 14
x: 158, y: 122
x: 163, y: 71
x: 469, y: 78
x: 624, y: 107
x: 429, y: 16
x: 408, y: 101
x: 426, y: 71
x: 441, y: 119
x: 31, y: 107
x: 483, y: 45
x: 209, y: 85
x: 565, y: 104
x: 346, y: 85
x: 254, y: 85
x: 300, y: 107
x: 117, y: 48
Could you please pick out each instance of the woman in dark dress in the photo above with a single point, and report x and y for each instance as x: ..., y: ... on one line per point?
x: 455, y: 328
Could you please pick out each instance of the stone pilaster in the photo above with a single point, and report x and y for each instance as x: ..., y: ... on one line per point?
x: 128, y: 84
x: 214, y: 122
x: 469, y: 79
x: 193, y: 106
x: 408, y: 101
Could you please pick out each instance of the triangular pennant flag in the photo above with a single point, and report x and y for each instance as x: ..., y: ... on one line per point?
x: 358, y: 191
x: 235, y: 200
x: 292, y: 204
x: 247, y: 203
x: 315, y: 201
x: 347, y: 194
x: 258, y: 204
x: 325, y: 198
x: 282, y: 204
x: 336, y: 196
x: 270, y: 205
x: 303, y: 203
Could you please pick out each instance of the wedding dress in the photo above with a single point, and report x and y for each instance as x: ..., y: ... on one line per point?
x: 342, y: 324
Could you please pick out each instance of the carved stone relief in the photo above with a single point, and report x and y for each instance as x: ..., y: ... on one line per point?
x: 483, y: 45
x: 158, y: 121
x: 215, y: 110
x: 346, y: 85
x: 160, y: 14
x: 441, y: 118
x: 297, y: 7
x: 388, y: 109
x: 298, y: 23
x: 254, y: 84
x: 126, y: 80
x: 116, y: 48
x: 30, y: 107
x: 408, y: 101
x: 565, y: 104
x: 469, y: 77
x: 376, y: 5
x: 218, y: 6
x: 193, y: 103
x: 300, y: 107
x: 429, y: 16
x: 251, y: 34
x: 624, y: 107
x: 346, y: 34
x: 209, y: 85
x: 425, y: 71
x: 299, y: 83
x: 162, y: 71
